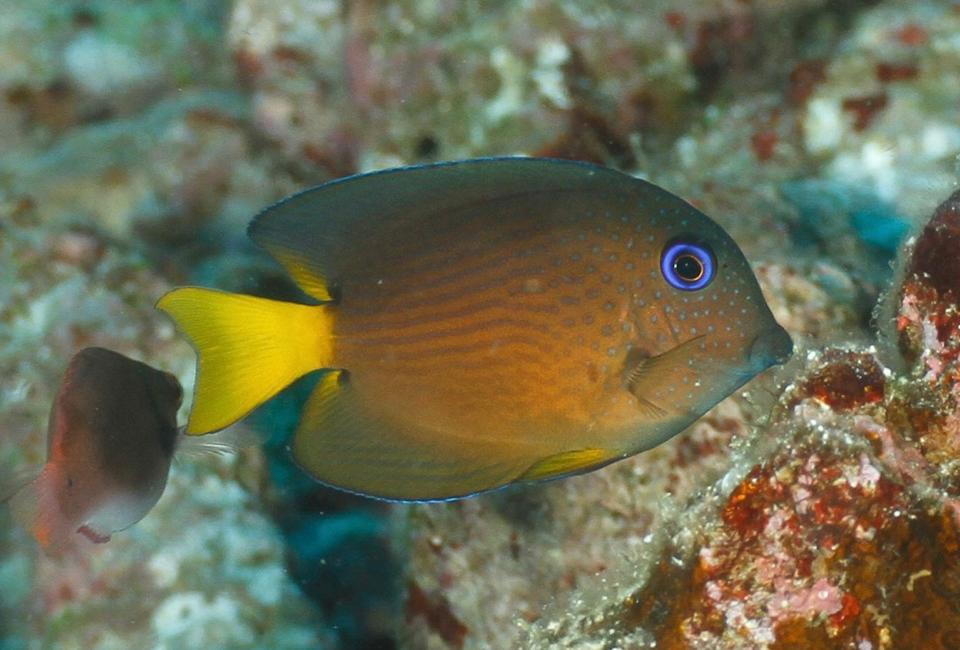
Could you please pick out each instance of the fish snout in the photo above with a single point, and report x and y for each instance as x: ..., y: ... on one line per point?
x: 770, y: 347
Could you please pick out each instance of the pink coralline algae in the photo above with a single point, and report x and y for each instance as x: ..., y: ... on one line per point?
x: 931, y: 289
x: 928, y: 329
x: 816, y: 548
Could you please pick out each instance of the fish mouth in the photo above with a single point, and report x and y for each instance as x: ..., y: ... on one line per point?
x: 770, y: 347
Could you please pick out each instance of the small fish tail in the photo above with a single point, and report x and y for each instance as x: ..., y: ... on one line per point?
x: 35, y: 508
x: 248, y: 349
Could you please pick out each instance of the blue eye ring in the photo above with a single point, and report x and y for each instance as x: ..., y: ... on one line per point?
x: 687, y: 266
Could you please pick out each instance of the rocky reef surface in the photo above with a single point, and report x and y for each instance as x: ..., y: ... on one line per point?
x: 817, y: 508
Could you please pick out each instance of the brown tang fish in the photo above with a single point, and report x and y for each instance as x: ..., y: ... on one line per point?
x: 112, y: 434
x: 483, y: 322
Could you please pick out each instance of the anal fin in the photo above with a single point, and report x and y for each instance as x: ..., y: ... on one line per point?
x: 566, y: 463
x: 345, y: 441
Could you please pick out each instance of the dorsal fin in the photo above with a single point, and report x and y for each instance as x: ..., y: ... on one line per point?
x: 312, y: 232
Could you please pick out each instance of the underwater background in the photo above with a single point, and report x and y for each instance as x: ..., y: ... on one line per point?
x: 817, y: 508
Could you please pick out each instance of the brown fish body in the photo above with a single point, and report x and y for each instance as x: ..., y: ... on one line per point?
x: 523, y: 332
x: 523, y: 318
x: 111, y: 438
x: 486, y: 322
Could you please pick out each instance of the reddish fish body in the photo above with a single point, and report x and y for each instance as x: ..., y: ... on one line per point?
x: 111, y: 437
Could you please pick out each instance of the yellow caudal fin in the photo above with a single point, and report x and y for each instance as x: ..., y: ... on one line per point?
x: 248, y: 349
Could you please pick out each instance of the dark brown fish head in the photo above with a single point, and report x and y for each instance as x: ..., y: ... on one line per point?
x: 119, y: 400
x: 703, y: 327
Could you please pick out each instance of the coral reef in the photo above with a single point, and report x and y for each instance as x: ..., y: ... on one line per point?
x: 437, y: 80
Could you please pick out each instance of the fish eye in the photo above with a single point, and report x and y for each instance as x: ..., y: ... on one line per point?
x: 687, y: 266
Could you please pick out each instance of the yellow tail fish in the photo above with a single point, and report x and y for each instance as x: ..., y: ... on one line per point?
x: 483, y: 322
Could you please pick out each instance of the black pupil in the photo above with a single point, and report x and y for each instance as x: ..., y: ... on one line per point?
x: 688, y: 267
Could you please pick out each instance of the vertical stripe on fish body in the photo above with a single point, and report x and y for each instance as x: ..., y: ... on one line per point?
x: 485, y: 322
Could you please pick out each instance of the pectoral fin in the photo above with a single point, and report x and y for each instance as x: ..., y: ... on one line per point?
x: 646, y: 376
